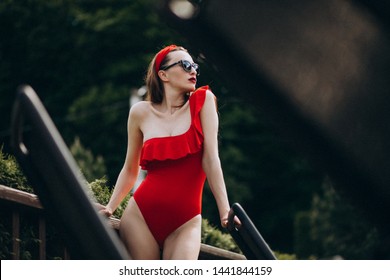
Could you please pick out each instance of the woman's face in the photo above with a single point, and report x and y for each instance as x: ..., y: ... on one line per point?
x: 176, y: 76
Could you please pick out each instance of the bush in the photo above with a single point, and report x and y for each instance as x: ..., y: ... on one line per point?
x: 102, y: 194
x: 10, y: 173
x: 213, y: 236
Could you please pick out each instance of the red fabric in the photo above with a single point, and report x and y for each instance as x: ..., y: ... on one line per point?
x: 162, y: 54
x: 171, y: 193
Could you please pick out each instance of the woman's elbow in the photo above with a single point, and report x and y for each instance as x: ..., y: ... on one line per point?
x: 211, y: 163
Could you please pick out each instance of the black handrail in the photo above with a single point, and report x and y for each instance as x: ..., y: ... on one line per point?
x: 247, y: 237
x: 52, y: 171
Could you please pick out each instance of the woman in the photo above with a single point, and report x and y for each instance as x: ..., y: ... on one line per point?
x: 173, y: 135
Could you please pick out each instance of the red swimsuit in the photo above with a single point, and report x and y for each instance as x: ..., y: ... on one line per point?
x: 171, y: 193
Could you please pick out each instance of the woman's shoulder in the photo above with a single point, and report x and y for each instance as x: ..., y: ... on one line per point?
x: 204, y: 90
x: 203, y: 94
x: 210, y: 98
x: 141, y: 106
x: 210, y: 94
x: 140, y: 109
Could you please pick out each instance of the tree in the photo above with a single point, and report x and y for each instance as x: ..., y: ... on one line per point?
x: 90, y: 166
x: 335, y: 227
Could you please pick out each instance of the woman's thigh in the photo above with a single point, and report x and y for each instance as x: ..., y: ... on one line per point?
x: 136, y: 235
x: 184, y: 242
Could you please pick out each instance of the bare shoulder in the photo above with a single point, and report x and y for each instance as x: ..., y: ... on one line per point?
x: 209, y: 118
x: 210, y: 100
x: 139, y: 110
x: 141, y: 106
x: 210, y: 95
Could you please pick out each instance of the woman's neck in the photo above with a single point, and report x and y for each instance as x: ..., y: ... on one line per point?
x: 172, y: 100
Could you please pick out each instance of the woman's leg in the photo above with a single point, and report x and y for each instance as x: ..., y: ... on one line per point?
x: 136, y: 235
x: 184, y: 242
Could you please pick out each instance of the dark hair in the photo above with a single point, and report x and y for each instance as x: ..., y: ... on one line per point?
x: 154, y: 85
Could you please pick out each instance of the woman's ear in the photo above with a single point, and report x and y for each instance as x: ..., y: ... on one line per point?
x: 163, y: 75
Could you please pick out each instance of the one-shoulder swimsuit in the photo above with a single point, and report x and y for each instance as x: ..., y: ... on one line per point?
x: 171, y: 193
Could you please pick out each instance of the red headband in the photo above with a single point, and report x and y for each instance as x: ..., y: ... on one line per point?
x: 162, y: 54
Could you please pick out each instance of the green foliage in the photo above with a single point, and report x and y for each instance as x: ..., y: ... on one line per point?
x: 10, y: 173
x: 284, y: 256
x: 102, y: 194
x: 107, y: 106
x: 214, y: 237
x: 334, y: 227
x: 72, y: 48
x: 5, y: 240
x: 90, y: 166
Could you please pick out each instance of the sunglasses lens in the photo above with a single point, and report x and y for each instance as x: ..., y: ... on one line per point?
x: 196, y: 67
x: 187, y: 66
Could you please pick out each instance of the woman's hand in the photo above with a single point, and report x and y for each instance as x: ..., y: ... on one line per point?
x: 106, y: 211
x: 225, y: 221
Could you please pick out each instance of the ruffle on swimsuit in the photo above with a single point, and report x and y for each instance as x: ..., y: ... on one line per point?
x: 178, y: 146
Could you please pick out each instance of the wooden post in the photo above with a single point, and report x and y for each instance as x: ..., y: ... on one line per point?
x: 42, y: 238
x: 15, y: 235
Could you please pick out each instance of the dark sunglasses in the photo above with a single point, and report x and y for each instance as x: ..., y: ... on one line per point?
x: 186, y: 65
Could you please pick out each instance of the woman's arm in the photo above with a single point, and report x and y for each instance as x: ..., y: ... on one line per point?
x: 129, y: 173
x: 211, y: 162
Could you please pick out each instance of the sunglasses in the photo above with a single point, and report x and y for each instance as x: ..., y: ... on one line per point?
x: 186, y: 65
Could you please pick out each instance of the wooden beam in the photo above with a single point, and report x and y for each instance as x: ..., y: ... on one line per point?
x: 21, y: 197
x: 208, y: 252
